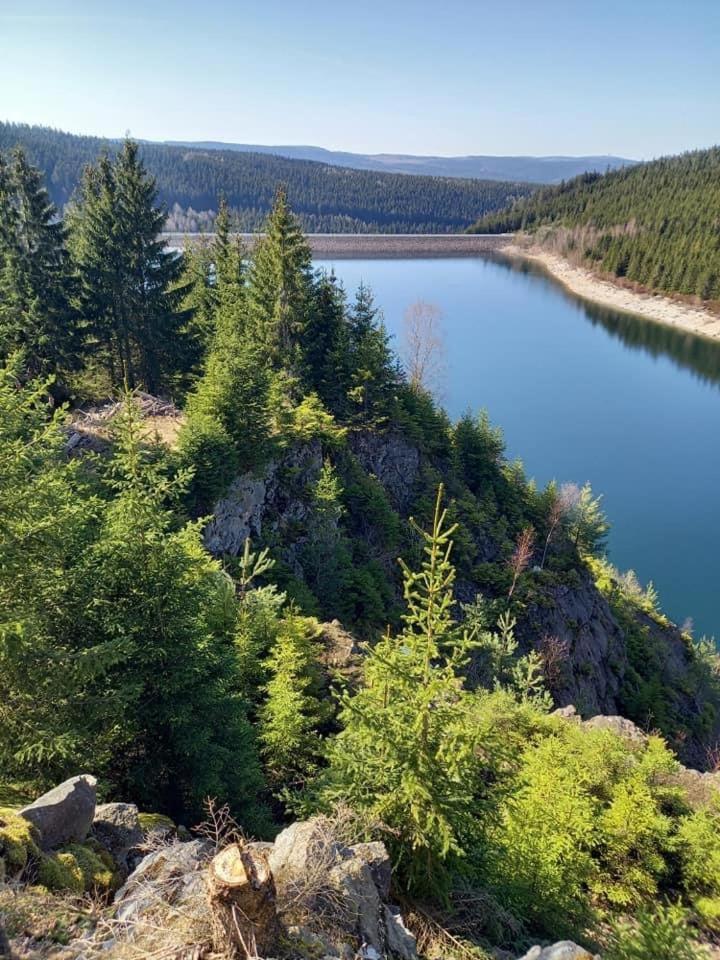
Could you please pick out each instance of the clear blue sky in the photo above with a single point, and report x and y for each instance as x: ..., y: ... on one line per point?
x: 637, y: 78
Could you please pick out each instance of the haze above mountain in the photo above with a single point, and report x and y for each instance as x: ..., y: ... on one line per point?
x: 527, y: 169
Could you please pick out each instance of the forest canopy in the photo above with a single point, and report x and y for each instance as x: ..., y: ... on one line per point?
x: 326, y: 199
x: 656, y: 224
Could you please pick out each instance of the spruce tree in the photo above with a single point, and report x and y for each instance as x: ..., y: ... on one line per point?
x: 375, y: 376
x: 128, y: 280
x: 406, y: 755
x: 181, y: 732
x: 293, y: 711
x: 35, y: 286
x: 279, y: 289
x: 49, y: 518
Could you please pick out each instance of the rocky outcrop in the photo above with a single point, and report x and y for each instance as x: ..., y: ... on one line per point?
x: 271, y: 503
x: 64, y: 814
x: 319, y: 897
x: 575, y: 627
x: 315, y: 875
x: 172, y: 876
x: 392, y: 460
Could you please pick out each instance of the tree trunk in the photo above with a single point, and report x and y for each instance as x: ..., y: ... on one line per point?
x: 242, y: 901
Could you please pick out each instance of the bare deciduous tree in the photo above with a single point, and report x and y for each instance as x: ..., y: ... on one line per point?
x: 424, y: 346
x: 521, y: 555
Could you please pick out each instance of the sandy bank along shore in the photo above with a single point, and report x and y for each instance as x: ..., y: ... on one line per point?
x: 584, y: 283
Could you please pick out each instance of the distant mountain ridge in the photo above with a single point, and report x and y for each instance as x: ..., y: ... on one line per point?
x: 529, y: 169
x: 327, y: 198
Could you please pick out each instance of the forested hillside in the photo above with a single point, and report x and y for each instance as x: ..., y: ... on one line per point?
x: 327, y: 199
x: 655, y: 224
x: 171, y: 579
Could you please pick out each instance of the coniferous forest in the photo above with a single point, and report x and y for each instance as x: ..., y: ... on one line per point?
x: 176, y: 670
x: 326, y: 199
x: 655, y: 224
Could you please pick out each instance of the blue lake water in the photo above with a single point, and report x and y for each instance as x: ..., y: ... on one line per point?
x: 583, y: 393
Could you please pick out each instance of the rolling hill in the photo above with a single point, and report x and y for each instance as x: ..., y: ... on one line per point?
x: 327, y: 198
x: 656, y: 224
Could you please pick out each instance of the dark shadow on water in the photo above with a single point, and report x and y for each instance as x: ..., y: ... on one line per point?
x: 688, y: 351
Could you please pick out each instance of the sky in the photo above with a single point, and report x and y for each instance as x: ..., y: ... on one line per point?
x: 637, y: 78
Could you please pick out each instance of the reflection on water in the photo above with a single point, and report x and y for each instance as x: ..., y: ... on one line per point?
x: 698, y: 354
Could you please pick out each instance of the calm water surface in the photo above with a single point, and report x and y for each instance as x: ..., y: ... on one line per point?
x: 583, y: 393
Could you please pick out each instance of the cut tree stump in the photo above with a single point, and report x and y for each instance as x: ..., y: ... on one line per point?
x: 242, y: 901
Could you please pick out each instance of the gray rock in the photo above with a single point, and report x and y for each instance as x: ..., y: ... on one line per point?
x: 392, y: 459
x: 358, y: 879
x: 565, y: 950
x: 362, y: 907
x: 117, y: 828
x: 64, y: 814
x: 398, y: 939
x: 618, y: 725
x: 174, y: 874
x: 377, y: 858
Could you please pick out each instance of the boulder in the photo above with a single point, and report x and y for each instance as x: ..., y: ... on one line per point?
x: 172, y: 875
x: 377, y: 858
x: 64, y: 814
x: 565, y: 950
x: 117, y: 827
x: 309, y: 865
x: 619, y: 725
x: 398, y: 939
x: 361, y: 910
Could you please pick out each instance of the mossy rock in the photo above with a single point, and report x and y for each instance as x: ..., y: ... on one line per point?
x: 156, y: 823
x: 78, y: 868
x: 18, y: 841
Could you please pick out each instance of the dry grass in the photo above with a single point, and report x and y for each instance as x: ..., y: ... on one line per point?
x: 41, y: 925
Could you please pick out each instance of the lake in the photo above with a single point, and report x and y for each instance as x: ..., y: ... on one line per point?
x: 583, y: 393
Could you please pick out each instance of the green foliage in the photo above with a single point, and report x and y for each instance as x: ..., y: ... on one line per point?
x: 293, y: 711
x: 587, y: 825
x: 36, y: 314
x: 328, y: 199
x: 127, y: 289
x: 48, y: 515
x: 653, y: 223
x: 207, y: 448
x: 406, y: 753
x: 661, y: 933
x: 305, y: 421
x: 495, y: 662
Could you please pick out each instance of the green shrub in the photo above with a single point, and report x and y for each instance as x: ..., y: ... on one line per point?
x: 208, y: 450
x: 18, y: 841
x: 77, y: 868
x: 659, y: 934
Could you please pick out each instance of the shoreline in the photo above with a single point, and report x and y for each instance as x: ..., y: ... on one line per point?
x: 655, y: 307
x: 375, y: 245
x: 580, y: 281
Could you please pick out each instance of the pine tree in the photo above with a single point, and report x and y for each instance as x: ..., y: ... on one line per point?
x: 182, y: 732
x: 406, y: 753
x: 293, y: 711
x: 375, y: 376
x: 279, y: 289
x: 35, y: 286
x: 128, y: 281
